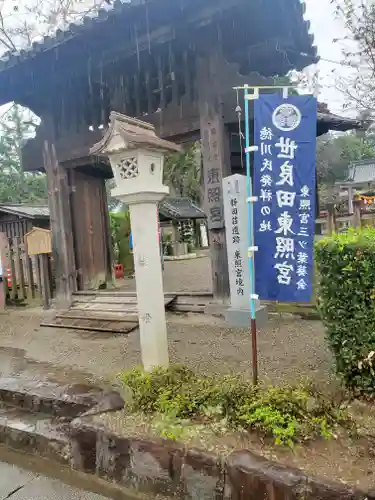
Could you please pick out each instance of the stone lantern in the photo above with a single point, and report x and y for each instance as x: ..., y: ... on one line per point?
x: 136, y: 155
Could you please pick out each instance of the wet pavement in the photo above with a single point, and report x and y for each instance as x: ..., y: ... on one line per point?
x: 29, y: 477
x: 20, y: 484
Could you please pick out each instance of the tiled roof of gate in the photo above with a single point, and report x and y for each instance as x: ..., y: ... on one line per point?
x: 361, y: 172
x: 170, y: 208
x: 11, y: 58
x: 180, y: 209
x: 336, y: 122
x: 28, y: 211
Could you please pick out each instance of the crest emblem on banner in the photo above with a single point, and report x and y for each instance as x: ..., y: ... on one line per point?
x: 286, y: 117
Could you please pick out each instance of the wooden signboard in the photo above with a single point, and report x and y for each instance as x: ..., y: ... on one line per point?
x: 38, y: 241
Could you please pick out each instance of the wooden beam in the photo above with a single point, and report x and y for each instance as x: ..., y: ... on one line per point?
x: 16, y: 242
x: 136, y: 94
x: 45, y: 282
x: 173, y: 75
x: 216, y: 165
x: 161, y: 83
x: 187, y: 79
x: 148, y: 91
x: 61, y: 225
x: 97, y: 51
x: 4, y: 260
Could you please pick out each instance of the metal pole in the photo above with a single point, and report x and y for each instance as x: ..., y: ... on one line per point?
x: 251, y: 245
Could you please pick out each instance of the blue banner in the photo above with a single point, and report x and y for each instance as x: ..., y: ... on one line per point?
x: 284, y: 181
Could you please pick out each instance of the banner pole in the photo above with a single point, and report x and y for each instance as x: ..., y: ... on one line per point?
x: 251, y: 245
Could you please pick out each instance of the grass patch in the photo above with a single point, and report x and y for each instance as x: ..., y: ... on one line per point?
x: 288, y: 414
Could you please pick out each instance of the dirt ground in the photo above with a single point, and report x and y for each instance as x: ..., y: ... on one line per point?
x: 190, y: 275
x: 289, y: 349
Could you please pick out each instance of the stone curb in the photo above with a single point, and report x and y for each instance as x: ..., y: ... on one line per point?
x: 49, y: 398
x: 169, y: 468
x: 36, y: 416
x: 46, y: 441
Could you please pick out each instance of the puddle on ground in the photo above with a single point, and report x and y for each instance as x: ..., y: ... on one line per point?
x: 15, y: 363
x: 20, y: 426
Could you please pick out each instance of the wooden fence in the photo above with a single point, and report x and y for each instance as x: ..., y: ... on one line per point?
x: 334, y: 222
x: 25, y: 277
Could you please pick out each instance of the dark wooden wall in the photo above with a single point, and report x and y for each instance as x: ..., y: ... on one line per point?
x: 90, y: 222
x: 177, y: 119
x: 14, y: 226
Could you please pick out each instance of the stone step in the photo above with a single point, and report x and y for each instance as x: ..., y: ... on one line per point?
x: 48, y: 398
x: 114, y: 300
x: 104, y: 299
x: 98, y: 315
x: 34, y: 434
x: 102, y: 306
x: 93, y: 324
x: 107, y: 312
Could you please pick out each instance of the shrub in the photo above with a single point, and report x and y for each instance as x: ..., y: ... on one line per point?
x: 120, y: 231
x: 287, y: 413
x: 346, y: 301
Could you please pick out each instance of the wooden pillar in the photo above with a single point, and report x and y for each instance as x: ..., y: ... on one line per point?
x: 357, y: 205
x: 61, y: 227
x: 331, y: 220
x: 91, y: 230
x: 4, y: 261
x: 216, y: 165
x: 107, y: 236
x: 350, y: 199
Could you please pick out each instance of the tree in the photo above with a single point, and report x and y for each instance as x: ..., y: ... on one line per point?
x: 334, y: 155
x: 358, y: 17
x: 17, y: 186
x: 23, y: 22
x: 182, y: 172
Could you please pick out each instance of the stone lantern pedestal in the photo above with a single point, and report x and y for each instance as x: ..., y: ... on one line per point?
x: 137, y: 157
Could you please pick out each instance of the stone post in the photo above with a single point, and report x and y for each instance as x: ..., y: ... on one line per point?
x: 137, y: 156
x: 237, y: 234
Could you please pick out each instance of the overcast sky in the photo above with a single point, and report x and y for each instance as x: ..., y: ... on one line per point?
x: 325, y: 28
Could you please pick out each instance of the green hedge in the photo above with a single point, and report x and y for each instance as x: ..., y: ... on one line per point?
x: 120, y: 229
x: 346, y: 300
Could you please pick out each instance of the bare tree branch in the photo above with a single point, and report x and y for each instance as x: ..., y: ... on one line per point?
x: 30, y: 20
x: 5, y: 39
x: 359, y: 20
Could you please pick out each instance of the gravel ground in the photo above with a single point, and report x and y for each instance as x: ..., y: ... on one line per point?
x: 182, y: 275
x: 289, y: 349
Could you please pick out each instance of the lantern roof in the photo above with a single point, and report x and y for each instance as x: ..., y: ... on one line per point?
x: 133, y: 134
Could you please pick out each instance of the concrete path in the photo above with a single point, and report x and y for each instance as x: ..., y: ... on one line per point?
x: 19, y: 484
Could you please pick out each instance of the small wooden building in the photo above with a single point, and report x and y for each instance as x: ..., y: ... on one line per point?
x: 17, y: 220
x: 170, y: 63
